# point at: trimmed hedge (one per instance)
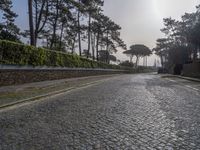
(20, 54)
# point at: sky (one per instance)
(141, 20)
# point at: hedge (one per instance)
(20, 54)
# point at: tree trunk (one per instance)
(97, 46)
(79, 33)
(38, 18)
(136, 63)
(93, 45)
(162, 61)
(89, 35)
(73, 45)
(195, 53)
(61, 36)
(107, 45)
(55, 25)
(31, 26)
(131, 58)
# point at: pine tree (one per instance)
(8, 29)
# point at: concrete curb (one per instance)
(48, 95)
(189, 78)
(46, 68)
(183, 77)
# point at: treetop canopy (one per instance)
(138, 50)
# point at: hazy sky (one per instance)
(141, 20)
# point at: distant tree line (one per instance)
(181, 43)
(66, 25)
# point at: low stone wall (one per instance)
(191, 70)
(12, 76)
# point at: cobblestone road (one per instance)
(126, 112)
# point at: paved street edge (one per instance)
(55, 93)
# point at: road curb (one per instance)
(183, 77)
(191, 79)
(47, 95)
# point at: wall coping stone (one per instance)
(46, 68)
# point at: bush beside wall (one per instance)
(20, 54)
(191, 70)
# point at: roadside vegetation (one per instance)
(19, 54)
(73, 33)
(75, 26)
(181, 44)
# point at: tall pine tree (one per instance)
(8, 29)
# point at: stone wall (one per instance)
(191, 70)
(12, 76)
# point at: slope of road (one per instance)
(126, 112)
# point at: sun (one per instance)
(157, 7)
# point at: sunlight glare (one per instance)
(157, 8)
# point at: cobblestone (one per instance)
(141, 112)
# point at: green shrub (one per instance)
(20, 54)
